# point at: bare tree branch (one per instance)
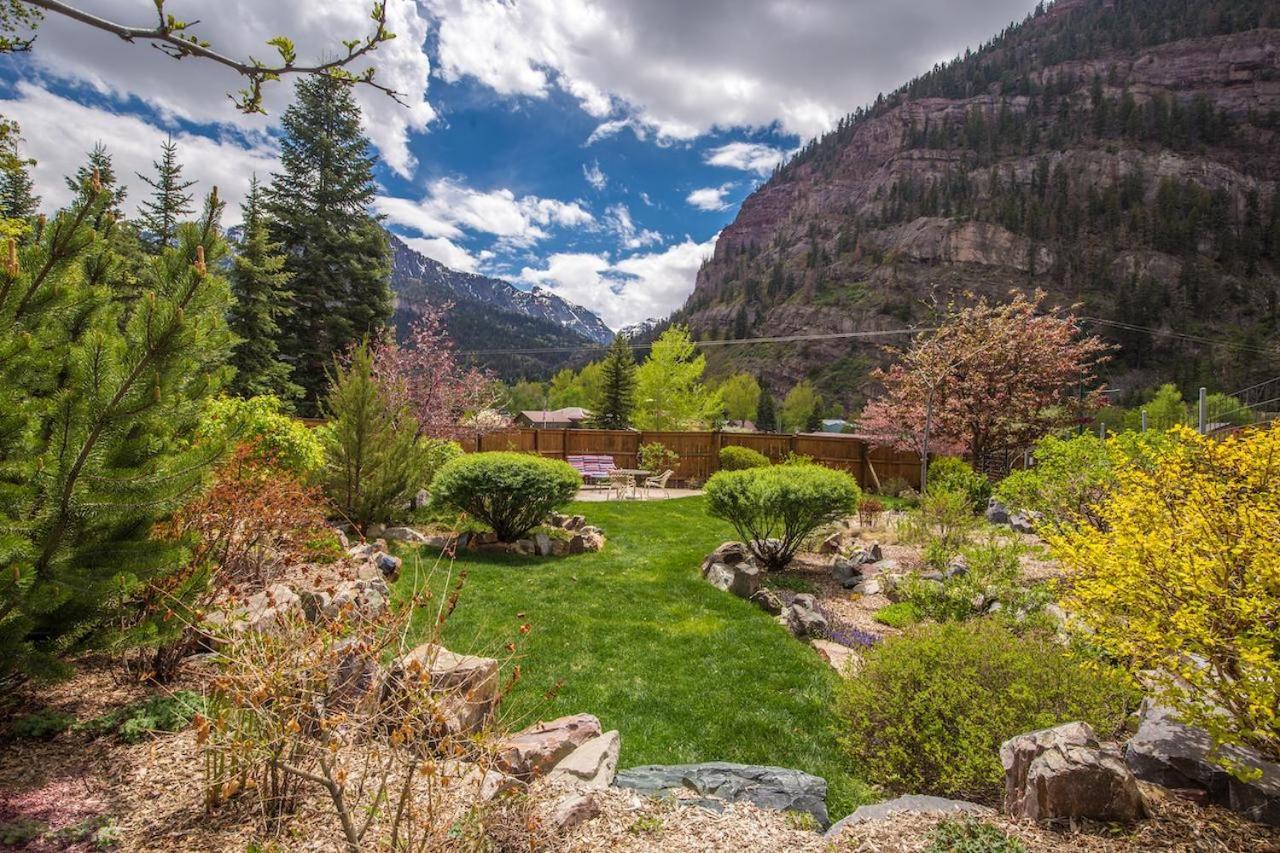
(173, 38)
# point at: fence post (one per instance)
(1204, 410)
(1144, 420)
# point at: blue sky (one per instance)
(594, 147)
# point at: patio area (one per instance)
(599, 494)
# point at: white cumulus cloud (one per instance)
(641, 285)
(710, 198)
(747, 156)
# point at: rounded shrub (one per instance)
(263, 423)
(949, 474)
(511, 492)
(774, 509)
(929, 709)
(735, 458)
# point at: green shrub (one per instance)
(929, 709)
(993, 573)
(892, 487)
(949, 474)
(970, 835)
(942, 524)
(900, 614)
(774, 509)
(263, 422)
(137, 722)
(657, 457)
(511, 492)
(735, 458)
(1071, 476)
(42, 725)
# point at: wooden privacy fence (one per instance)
(700, 451)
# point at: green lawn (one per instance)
(687, 673)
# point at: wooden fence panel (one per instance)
(700, 451)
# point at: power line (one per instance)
(776, 339)
(1168, 333)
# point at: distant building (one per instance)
(570, 417)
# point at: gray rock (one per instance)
(846, 572)
(420, 500)
(571, 810)
(525, 547)
(957, 568)
(533, 751)
(932, 577)
(1021, 523)
(362, 551)
(997, 513)
(741, 579)
(918, 803)
(870, 586)
(354, 674)
(387, 564)
(592, 765)
(1175, 755)
(874, 553)
(268, 610)
(803, 619)
(729, 553)
(768, 601)
(404, 534)
(542, 542)
(830, 545)
(464, 686)
(342, 538)
(1064, 773)
(776, 788)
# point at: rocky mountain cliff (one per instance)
(491, 314)
(1117, 153)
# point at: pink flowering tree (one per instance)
(425, 371)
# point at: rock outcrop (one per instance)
(1064, 772)
(776, 788)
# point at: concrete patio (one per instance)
(600, 494)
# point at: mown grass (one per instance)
(632, 634)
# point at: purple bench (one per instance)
(594, 469)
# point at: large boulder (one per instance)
(843, 659)
(1064, 772)
(729, 553)
(741, 579)
(404, 534)
(464, 686)
(592, 765)
(1169, 753)
(776, 788)
(365, 598)
(354, 674)
(264, 612)
(533, 751)
(847, 572)
(768, 601)
(915, 803)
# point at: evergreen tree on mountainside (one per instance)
(169, 201)
(259, 283)
(617, 386)
(336, 253)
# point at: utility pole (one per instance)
(1144, 420)
(1204, 410)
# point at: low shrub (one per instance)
(869, 511)
(970, 835)
(657, 457)
(158, 714)
(511, 492)
(1179, 580)
(942, 524)
(929, 709)
(900, 614)
(735, 458)
(950, 474)
(893, 487)
(992, 575)
(263, 423)
(41, 725)
(774, 509)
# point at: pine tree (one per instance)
(617, 386)
(169, 201)
(259, 284)
(766, 414)
(337, 254)
(99, 400)
(99, 163)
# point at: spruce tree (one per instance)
(169, 202)
(766, 414)
(99, 400)
(337, 254)
(259, 284)
(617, 386)
(99, 164)
(17, 200)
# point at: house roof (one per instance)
(568, 413)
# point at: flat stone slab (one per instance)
(775, 788)
(918, 803)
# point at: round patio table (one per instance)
(635, 474)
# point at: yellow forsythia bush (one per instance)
(1182, 579)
